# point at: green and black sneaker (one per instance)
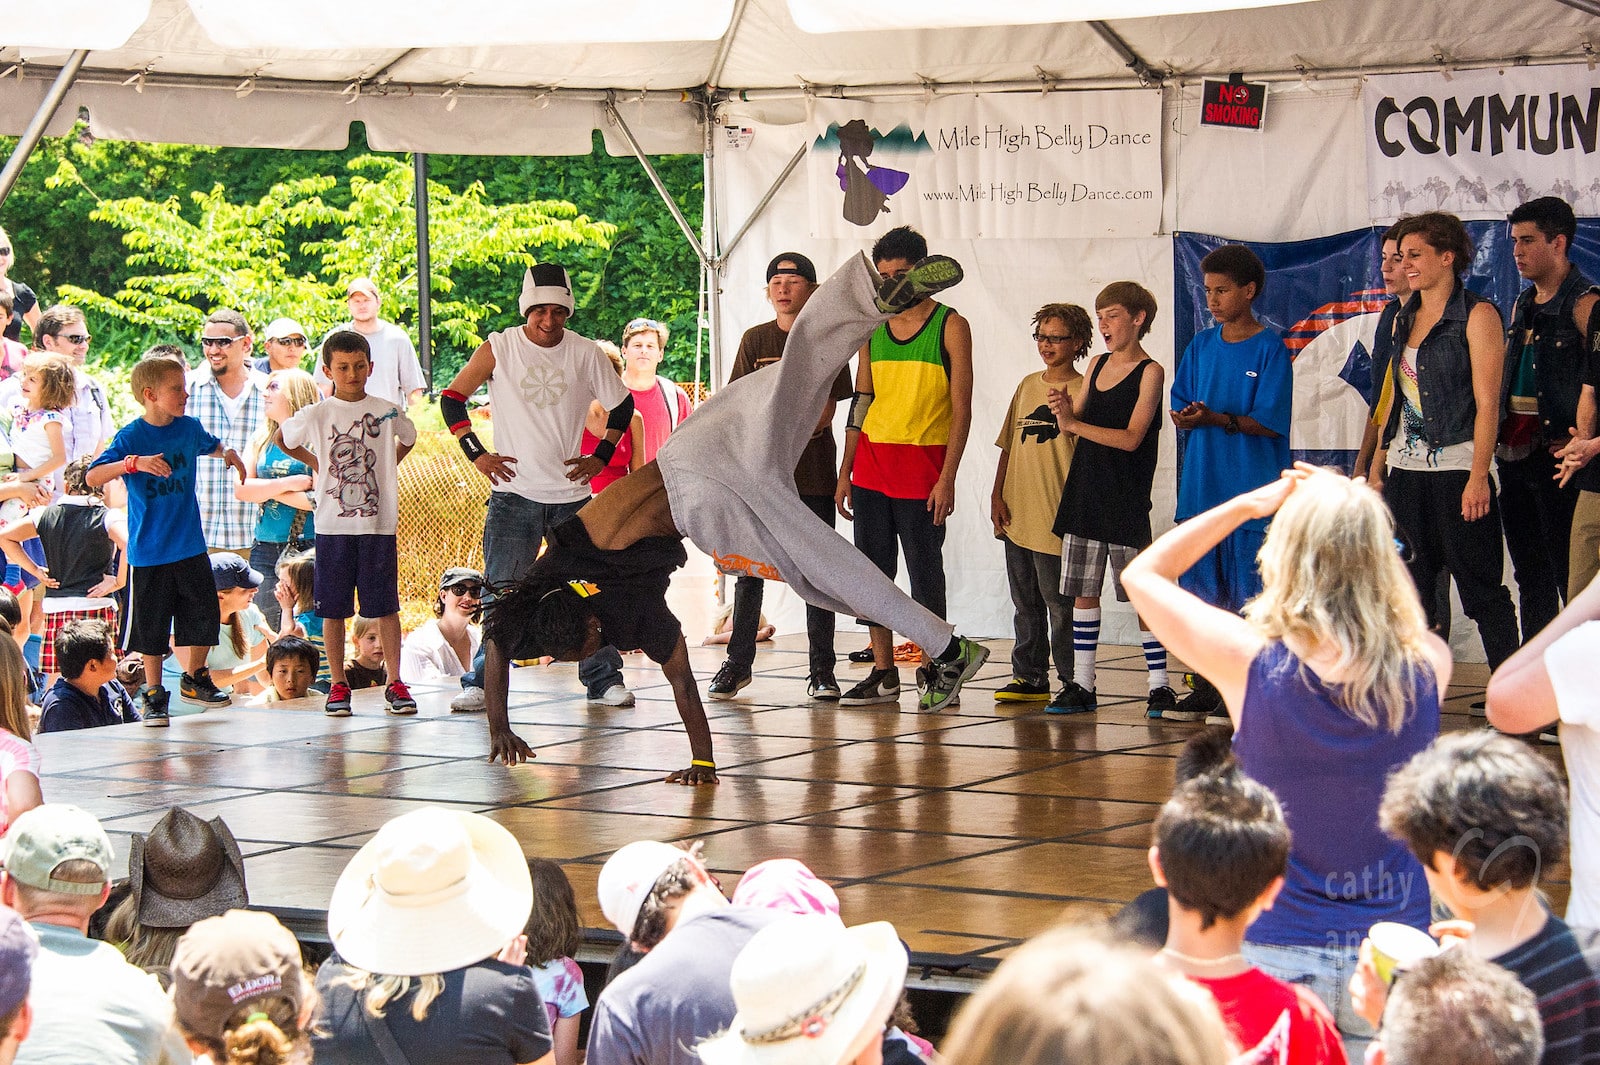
(934, 273)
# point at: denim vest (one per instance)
(1559, 354)
(1444, 370)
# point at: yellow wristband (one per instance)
(702, 762)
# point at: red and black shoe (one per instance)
(398, 696)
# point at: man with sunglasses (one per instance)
(63, 331)
(228, 395)
(285, 341)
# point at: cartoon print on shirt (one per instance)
(353, 466)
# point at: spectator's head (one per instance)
(1482, 812)
(644, 341)
(546, 302)
(19, 946)
(7, 302)
(1542, 232)
(435, 890)
(899, 250)
(63, 330)
(158, 384)
(167, 351)
(14, 689)
(363, 299)
(85, 646)
(49, 382)
(1239, 266)
(1206, 752)
(1332, 576)
(553, 928)
(1434, 245)
(8, 254)
(644, 886)
(347, 360)
(791, 279)
(292, 664)
(286, 393)
(1395, 281)
(1221, 847)
(10, 609)
(76, 478)
(788, 886)
(1063, 333)
(57, 865)
(613, 353)
(225, 341)
(240, 991)
(1459, 1009)
(1551, 215)
(811, 992)
(368, 639)
(1124, 311)
(285, 341)
(298, 571)
(460, 592)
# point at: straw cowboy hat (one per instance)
(185, 870)
(434, 890)
(810, 992)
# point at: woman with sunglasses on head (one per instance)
(442, 649)
(662, 404)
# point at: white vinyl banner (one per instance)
(1065, 164)
(1480, 142)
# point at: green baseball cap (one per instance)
(45, 836)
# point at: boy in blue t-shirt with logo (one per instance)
(169, 585)
(1233, 392)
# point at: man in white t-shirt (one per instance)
(396, 373)
(541, 379)
(1553, 679)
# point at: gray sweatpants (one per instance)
(729, 469)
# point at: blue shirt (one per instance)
(1253, 378)
(66, 709)
(277, 519)
(163, 512)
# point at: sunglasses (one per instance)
(74, 338)
(219, 342)
(471, 590)
(293, 342)
(5, 250)
(1045, 338)
(643, 323)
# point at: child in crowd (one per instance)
(1034, 458)
(553, 938)
(296, 594)
(170, 590)
(1104, 514)
(239, 658)
(1232, 395)
(87, 694)
(19, 760)
(292, 662)
(355, 443)
(1484, 814)
(41, 428)
(365, 670)
(1221, 850)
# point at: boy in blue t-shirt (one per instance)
(1232, 393)
(169, 585)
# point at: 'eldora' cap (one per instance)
(223, 965)
(800, 266)
(44, 837)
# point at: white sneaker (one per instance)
(616, 695)
(470, 701)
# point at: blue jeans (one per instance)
(513, 531)
(1326, 971)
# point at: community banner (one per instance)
(1480, 142)
(1058, 165)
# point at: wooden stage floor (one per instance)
(970, 830)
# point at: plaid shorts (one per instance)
(56, 620)
(1083, 566)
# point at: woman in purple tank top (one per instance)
(1332, 680)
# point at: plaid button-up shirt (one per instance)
(228, 523)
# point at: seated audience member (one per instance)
(365, 669)
(89, 1005)
(426, 923)
(1484, 813)
(1551, 681)
(239, 657)
(1458, 1009)
(1069, 995)
(240, 992)
(809, 989)
(296, 594)
(18, 949)
(1221, 850)
(442, 649)
(185, 870)
(19, 759)
(554, 932)
(87, 694)
(291, 667)
(664, 901)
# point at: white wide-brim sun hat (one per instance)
(810, 992)
(434, 890)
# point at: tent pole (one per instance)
(713, 263)
(419, 165)
(655, 179)
(41, 119)
(761, 207)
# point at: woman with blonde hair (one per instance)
(1331, 679)
(281, 485)
(1070, 995)
(19, 760)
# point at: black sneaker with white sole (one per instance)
(197, 687)
(153, 702)
(880, 686)
(822, 686)
(730, 679)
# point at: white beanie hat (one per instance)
(545, 283)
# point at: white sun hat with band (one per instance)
(434, 890)
(810, 992)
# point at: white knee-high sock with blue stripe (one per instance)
(1085, 639)
(1155, 659)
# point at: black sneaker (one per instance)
(1198, 705)
(1162, 699)
(729, 680)
(863, 656)
(822, 686)
(934, 273)
(881, 686)
(1022, 691)
(197, 688)
(1074, 698)
(153, 706)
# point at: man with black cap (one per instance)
(791, 278)
(541, 378)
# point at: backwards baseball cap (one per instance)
(545, 283)
(241, 961)
(800, 266)
(19, 945)
(362, 284)
(629, 875)
(284, 328)
(46, 836)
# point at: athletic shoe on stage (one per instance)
(1022, 691)
(729, 680)
(1073, 698)
(616, 695)
(470, 701)
(398, 696)
(1198, 705)
(881, 686)
(153, 706)
(338, 704)
(946, 678)
(932, 274)
(1161, 700)
(822, 686)
(197, 688)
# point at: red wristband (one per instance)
(130, 464)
